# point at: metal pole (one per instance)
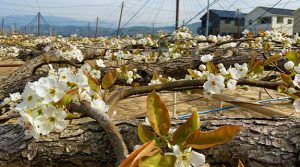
(88, 33)
(177, 15)
(2, 25)
(238, 23)
(120, 19)
(39, 24)
(207, 18)
(15, 28)
(174, 105)
(97, 22)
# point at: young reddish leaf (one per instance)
(144, 134)
(186, 129)
(94, 84)
(108, 80)
(258, 67)
(286, 79)
(148, 149)
(240, 164)
(272, 59)
(158, 114)
(192, 73)
(201, 140)
(211, 67)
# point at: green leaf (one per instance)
(202, 140)
(93, 83)
(192, 73)
(157, 160)
(167, 161)
(211, 67)
(155, 76)
(286, 79)
(282, 88)
(152, 161)
(66, 99)
(158, 114)
(186, 129)
(144, 134)
(108, 80)
(272, 59)
(292, 56)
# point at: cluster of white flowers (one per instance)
(71, 53)
(9, 52)
(40, 105)
(217, 82)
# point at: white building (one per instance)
(297, 22)
(264, 18)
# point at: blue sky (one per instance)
(136, 12)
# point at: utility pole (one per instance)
(177, 15)
(2, 26)
(97, 22)
(39, 24)
(238, 23)
(120, 19)
(50, 30)
(15, 28)
(207, 19)
(88, 33)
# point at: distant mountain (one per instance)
(66, 26)
(52, 20)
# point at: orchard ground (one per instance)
(186, 102)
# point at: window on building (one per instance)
(279, 20)
(227, 21)
(264, 20)
(250, 22)
(290, 21)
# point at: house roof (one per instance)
(227, 14)
(279, 11)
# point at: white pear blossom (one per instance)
(100, 105)
(215, 84)
(296, 81)
(289, 65)
(202, 67)
(207, 58)
(231, 84)
(297, 105)
(297, 68)
(52, 119)
(291, 90)
(51, 90)
(14, 97)
(100, 63)
(240, 71)
(188, 158)
(30, 98)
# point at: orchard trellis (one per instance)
(92, 85)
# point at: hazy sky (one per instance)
(135, 11)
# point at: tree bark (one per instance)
(263, 142)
